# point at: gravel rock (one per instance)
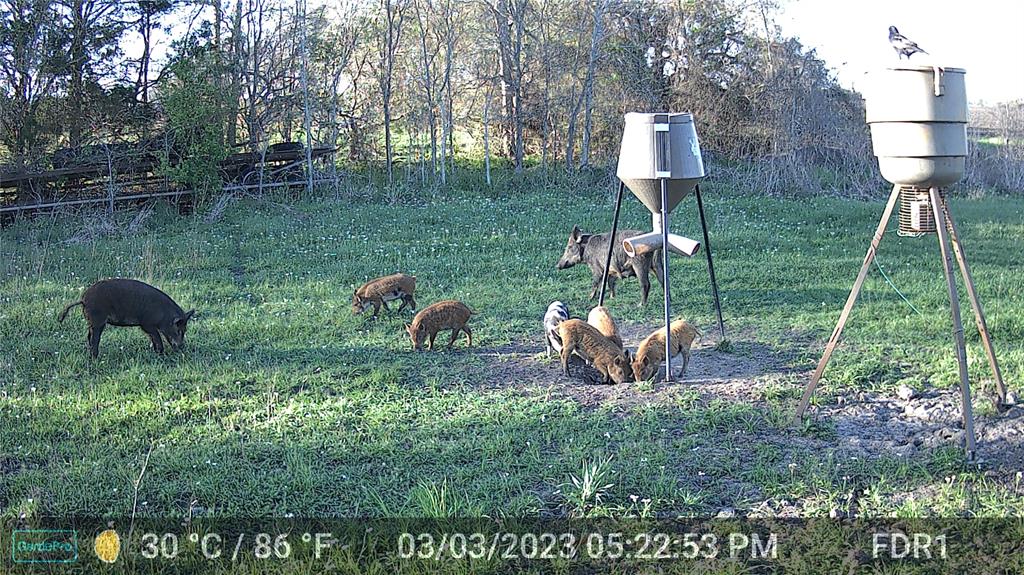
(905, 392)
(917, 412)
(726, 513)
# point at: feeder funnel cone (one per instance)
(656, 146)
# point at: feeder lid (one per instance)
(659, 118)
(906, 93)
(910, 68)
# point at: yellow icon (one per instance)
(108, 546)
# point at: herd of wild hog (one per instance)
(598, 342)
(131, 303)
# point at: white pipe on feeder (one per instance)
(644, 243)
(651, 241)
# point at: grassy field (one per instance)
(284, 403)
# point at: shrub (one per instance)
(194, 106)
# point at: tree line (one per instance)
(427, 86)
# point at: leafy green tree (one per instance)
(194, 105)
(31, 61)
(94, 29)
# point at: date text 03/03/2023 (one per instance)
(654, 546)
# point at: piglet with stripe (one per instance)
(557, 313)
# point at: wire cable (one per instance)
(896, 289)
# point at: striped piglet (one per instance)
(557, 313)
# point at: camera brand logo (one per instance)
(44, 546)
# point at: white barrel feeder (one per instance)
(918, 120)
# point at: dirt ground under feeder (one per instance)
(862, 424)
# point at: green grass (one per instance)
(285, 403)
(995, 141)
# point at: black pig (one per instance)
(127, 303)
(592, 249)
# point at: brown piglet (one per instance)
(448, 314)
(377, 293)
(593, 346)
(128, 303)
(600, 318)
(651, 352)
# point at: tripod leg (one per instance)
(972, 294)
(711, 266)
(852, 299)
(664, 263)
(611, 243)
(938, 209)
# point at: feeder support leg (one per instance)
(664, 265)
(938, 210)
(852, 299)
(711, 266)
(972, 294)
(611, 242)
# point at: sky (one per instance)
(985, 37)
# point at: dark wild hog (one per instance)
(557, 313)
(592, 249)
(601, 318)
(583, 338)
(128, 303)
(651, 352)
(448, 314)
(378, 292)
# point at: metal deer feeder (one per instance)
(918, 120)
(660, 162)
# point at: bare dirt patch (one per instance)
(862, 424)
(871, 423)
(712, 373)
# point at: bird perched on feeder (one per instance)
(904, 46)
